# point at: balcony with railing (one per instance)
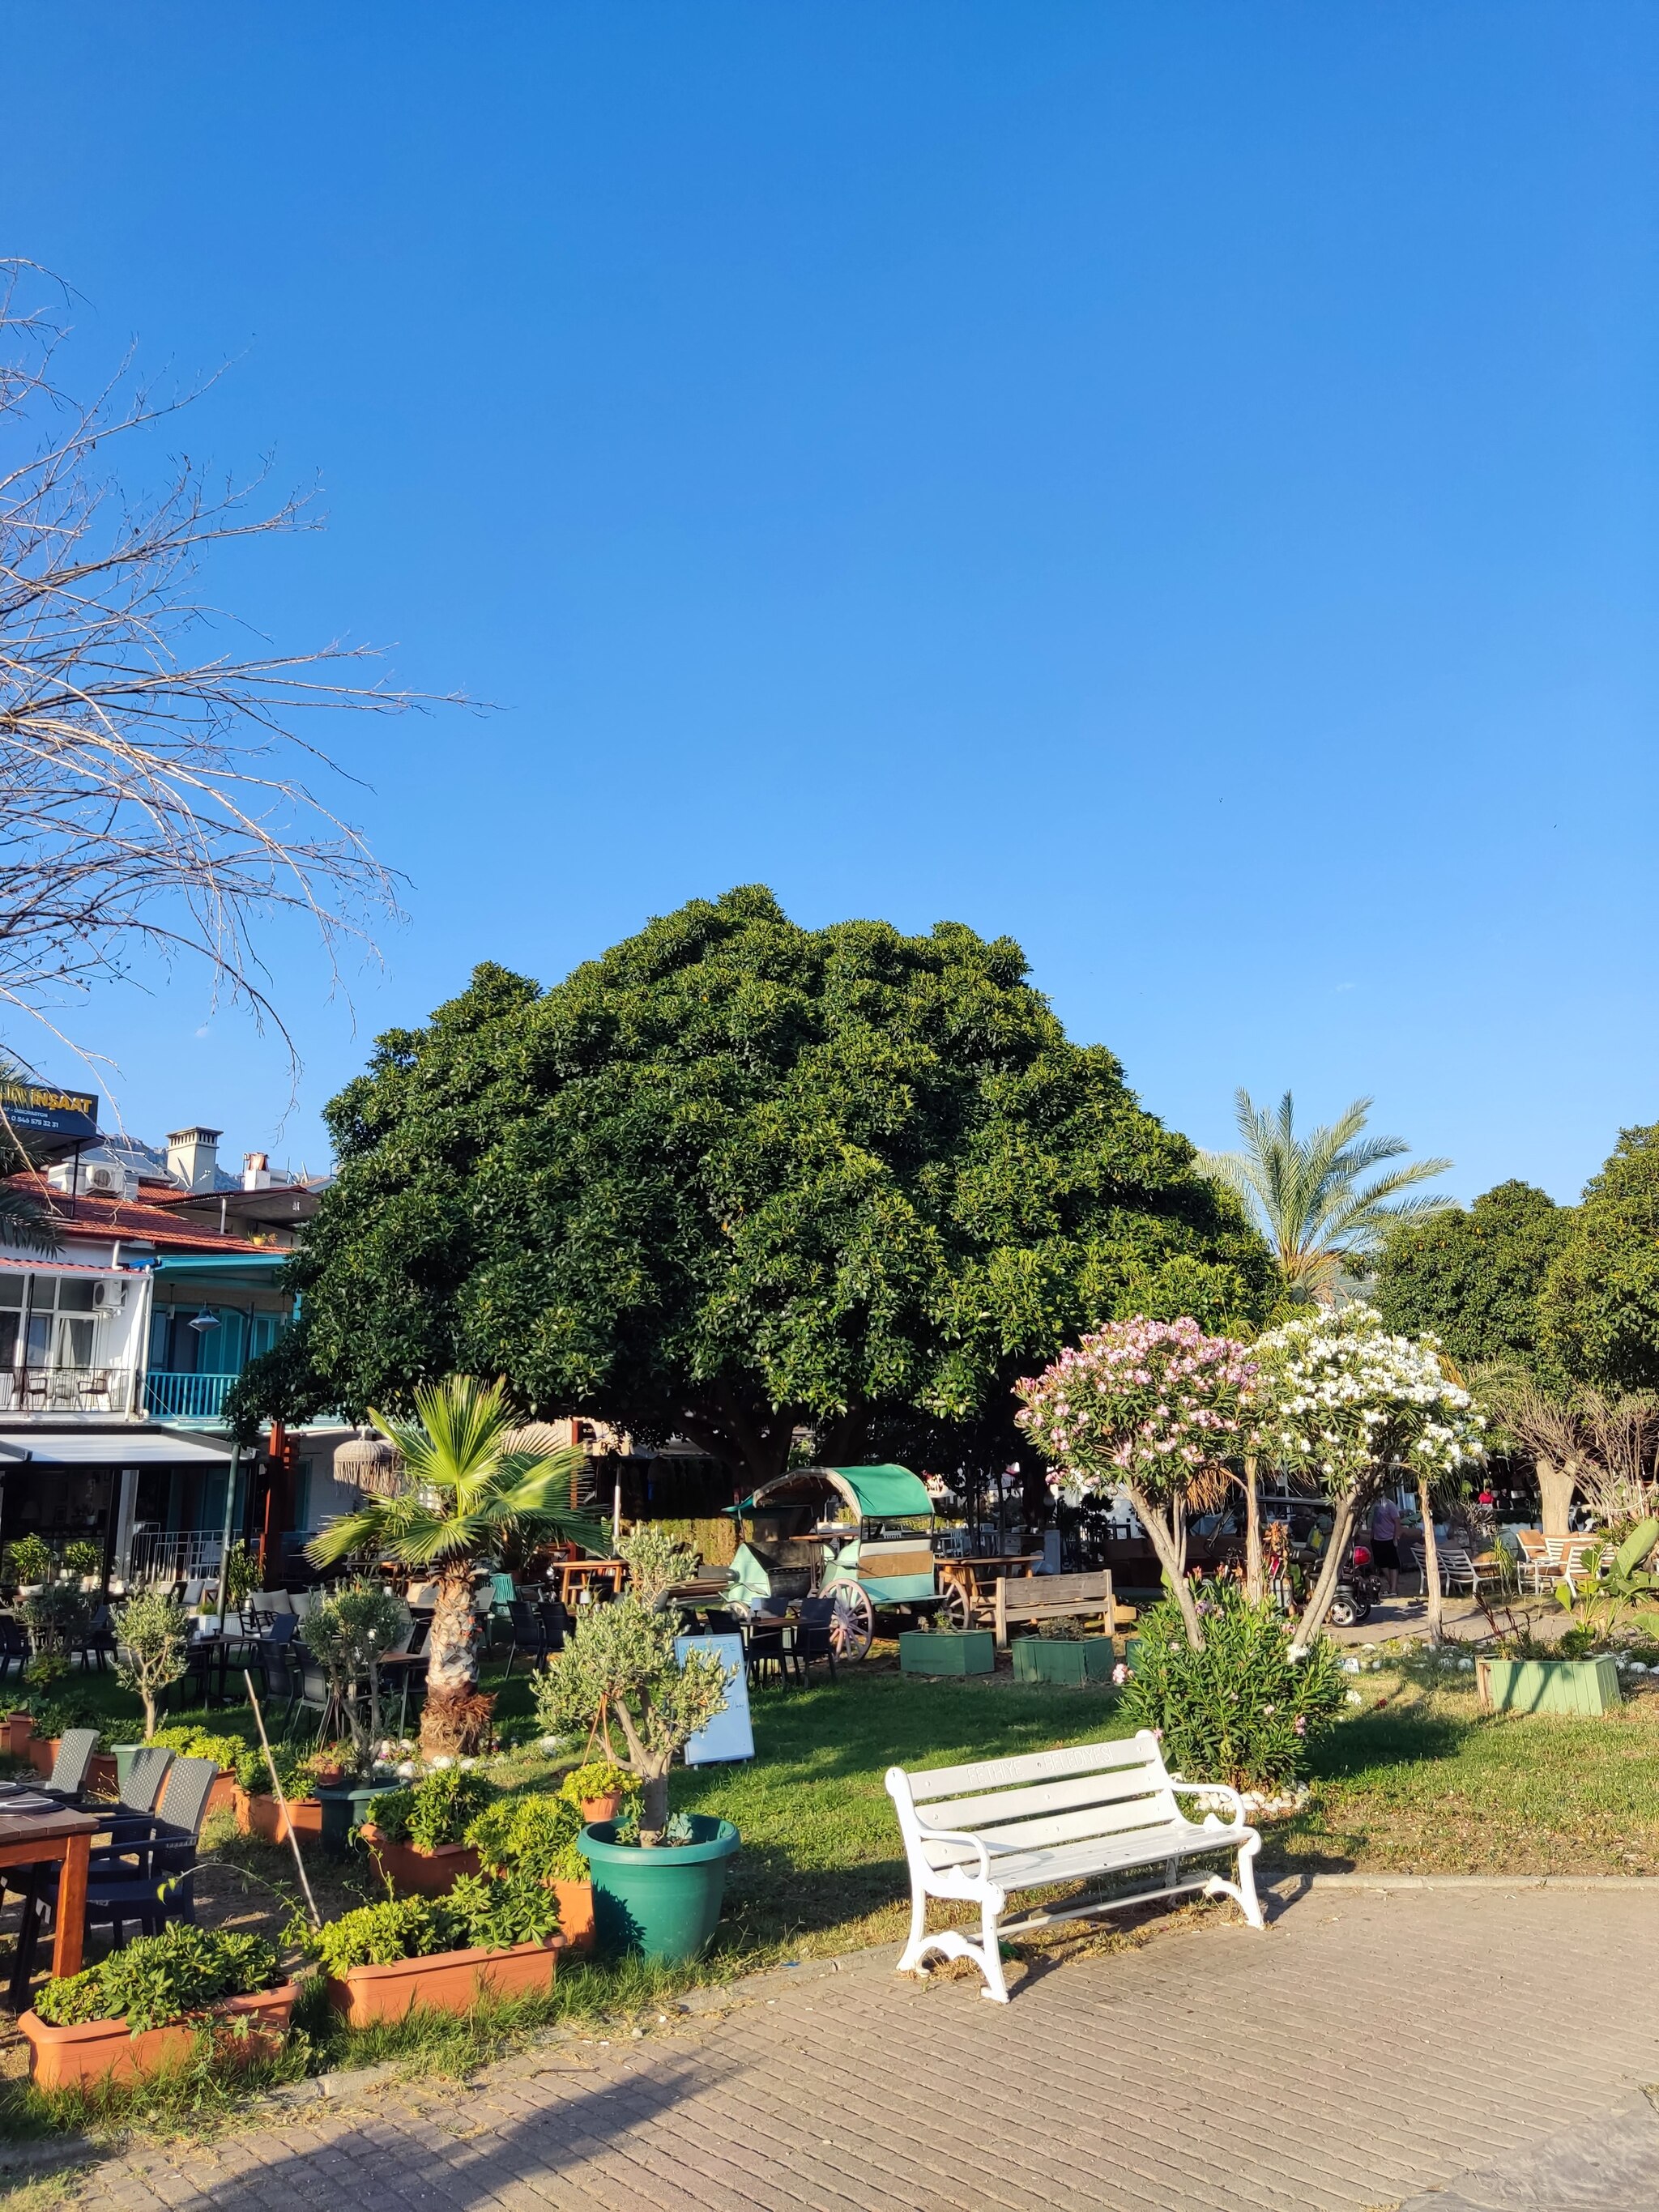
(175, 1397)
(58, 1390)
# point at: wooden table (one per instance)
(32, 1838)
(575, 1575)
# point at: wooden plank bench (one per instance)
(1004, 1825)
(1025, 1599)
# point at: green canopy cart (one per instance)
(863, 1535)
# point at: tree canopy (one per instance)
(1599, 1310)
(736, 1177)
(1473, 1278)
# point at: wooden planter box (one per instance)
(1044, 1659)
(1548, 1686)
(448, 1981)
(102, 2050)
(943, 1651)
(262, 1816)
(424, 1874)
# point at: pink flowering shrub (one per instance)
(1146, 1406)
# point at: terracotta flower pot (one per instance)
(576, 1900)
(41, 1752)
(412, 1872)
(222, 1795)
(102, 2050)
(262, 1816)
(102, 1775)
(448, 1981)
(602, 1808)
(20, 1727)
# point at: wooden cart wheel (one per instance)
(852, 1628)
(955, 1608)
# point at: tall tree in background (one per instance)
(1473, 1278)
(738, 1178)
(1307, 1196)
(153, 792)
(1599, 1308)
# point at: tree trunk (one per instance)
(1430, 1566)
(1324, 1588)
(1555, 1496)
(1167, 1537)
(453, 1641)
(653, 1804)
(1255, 1587)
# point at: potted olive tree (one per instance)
(152, 1636)
(349, 1633)
(657, 1882)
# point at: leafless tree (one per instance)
(154, 755)
(1606, 1449)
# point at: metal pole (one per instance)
(281, 1802)
(224, 1542)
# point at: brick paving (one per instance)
(1372, 2049)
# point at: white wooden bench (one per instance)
(977, 1833)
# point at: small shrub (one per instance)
(152, 1635)
(28, 1560)
(156, 1979)
(254, 1774)
(1060, 1632)
(500, 1909)
(83, 1557)
(435, 1812)
(198, 1743)
(44, 1671)
(599, 1778)
(380, 1934)
(1242, 1711)
(55, 1616)
(536, 1833)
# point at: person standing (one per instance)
(1385, 1541)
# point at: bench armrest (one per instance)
(926, 1835)
(1228, 1796)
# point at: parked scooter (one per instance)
(1358, 1591)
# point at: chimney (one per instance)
(193, 1157)
(256, 1171)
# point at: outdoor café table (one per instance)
(36, 1831)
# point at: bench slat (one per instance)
(934, 1782)
(1000, 1806)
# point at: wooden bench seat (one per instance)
(1023, 1599)
(1056, 1817)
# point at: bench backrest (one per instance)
(1047, 1797)
(1050, 1597)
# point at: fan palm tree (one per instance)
(1306, 1193)
(468, 1484)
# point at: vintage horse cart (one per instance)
(861, 1535)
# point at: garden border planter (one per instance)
(947, 1651)
(1048, 1659)
(102, 2050)
(412, 1872)
(665, 1902)
(445, 1981)
(1581, 1686)
(20, 1727)
(259, 1814)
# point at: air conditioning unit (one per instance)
(93, 1179)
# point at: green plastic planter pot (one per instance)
(1046, 1659)
(665, 1902)
(124, 1755)
(345, 1807)
(1548, 1685)
(947, 1651)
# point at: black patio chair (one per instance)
(96, 1641)
(769, 1650)
(14, 1645)
(556, 1619)
(312, 1694)
(529, 1633)
(815, 1639)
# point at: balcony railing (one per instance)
(64, 1390)
(166, 1555)
(186, 1397)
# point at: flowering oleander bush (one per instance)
(1243, 1710)
(1146, 1406)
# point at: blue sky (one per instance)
(1171, 482)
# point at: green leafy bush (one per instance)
(500, 1909)
(535, 1833)
(198, 1743)
(44, 1671)
(380, 1934)
(158, 1978)
(83, 1557)
(599, 1777)
(55, 1616)
(434, 1811)
(1243, 1710)
(152, 1634)
(28, 1560)
(254, 1775)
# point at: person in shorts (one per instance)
(1385, 1541)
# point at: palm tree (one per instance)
(468, 1484)
(1306, 1194)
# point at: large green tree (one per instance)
(1599, 1310)
(738, 1178)
(1473, 1278)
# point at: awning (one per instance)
(875, 1493)
(111, 1448)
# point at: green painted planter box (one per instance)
(1548, 1686)
(945, 1651)
(1042, 1659)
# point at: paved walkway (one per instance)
(1370, 2048)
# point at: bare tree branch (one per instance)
(152, 791)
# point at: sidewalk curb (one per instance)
(1617, 1881)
